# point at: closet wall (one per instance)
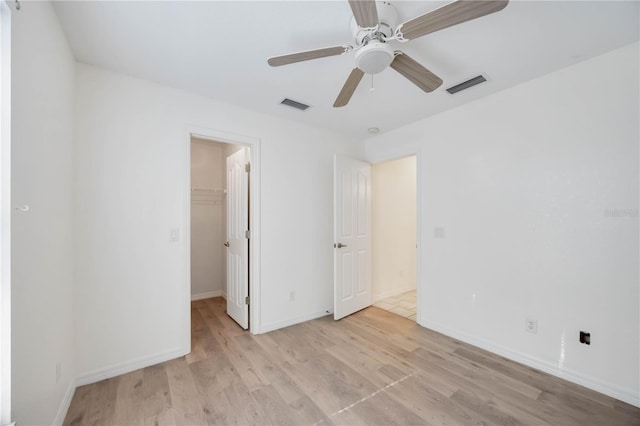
(207, 218)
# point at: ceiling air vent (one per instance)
(466, 84)
(294, 104)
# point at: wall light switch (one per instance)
(174, 235)
(438, 232)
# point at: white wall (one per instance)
(393, 186)
(132, 171)
(537, 190)
(43, 73)
(207, 219)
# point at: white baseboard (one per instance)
(286, 323)
(129, 366)
(64, 405)
(391, 293)
(206, 295)
(614, 391)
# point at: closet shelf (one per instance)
(207, 195)
(209, 190)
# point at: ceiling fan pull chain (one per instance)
(372, 88)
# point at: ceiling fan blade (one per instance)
(291, 58)
(416, 73)
(449, 15)
(349, 87)
(365, 12)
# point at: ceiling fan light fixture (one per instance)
(375, 57)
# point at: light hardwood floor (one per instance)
(373, 367)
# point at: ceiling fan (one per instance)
(374, 26)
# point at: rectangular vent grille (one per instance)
(466, 84)
(294, 104)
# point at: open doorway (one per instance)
(394, 232)
(220, 226)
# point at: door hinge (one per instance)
(247, 234)
(247, 167)
(246, 300)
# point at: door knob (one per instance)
(227, 244)
(340, 245)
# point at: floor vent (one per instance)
(466, 84)
(294, 104)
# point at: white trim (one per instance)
(390, 293)
(64, 406)
(206, 295)
(5, 214)
(286, 323)
(614, 391)
(254, 217)
(128, 366)
(419, 228)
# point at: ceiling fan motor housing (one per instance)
(387, 18)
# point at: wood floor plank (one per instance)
(308, 412)
(262, 363)
(434, 407)
(475, 373)
(185, 400)
(307, 336)
(246, 411)
(199, 330)
(129, 400)
(157, 393)
(488, 412)
(383, 410)
(372, 367)
(102, 405)
(80, 403)
(358, 343)
(164, 417)
(276, 410)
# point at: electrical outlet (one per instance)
(531, 325)
(585, 337)
(292, 296)
(438, 232)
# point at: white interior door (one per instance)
(352, 236)
(237, 237)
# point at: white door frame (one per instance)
(404, 152)
(5, 214)
(253, 144)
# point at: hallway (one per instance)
(403, 304)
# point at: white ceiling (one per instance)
(220, 48)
